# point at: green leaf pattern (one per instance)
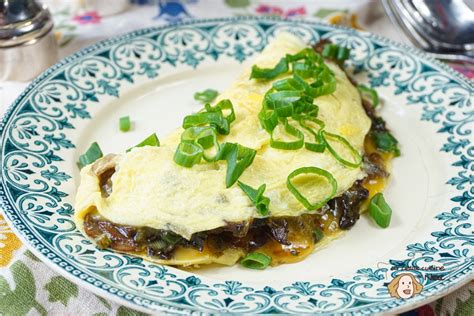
(23, 292)
(61, 289)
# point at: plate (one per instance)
(151, 75)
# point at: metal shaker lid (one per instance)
(23, 22)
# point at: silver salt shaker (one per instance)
(27, 42)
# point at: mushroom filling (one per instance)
(285, 233)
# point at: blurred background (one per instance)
(66, 26)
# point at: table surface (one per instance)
(34, 288)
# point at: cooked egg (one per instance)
(150, 189)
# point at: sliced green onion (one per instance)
(206, 96)
(199, 135)
(326, 83)
(356, 157)
(285, 103)
(343, 53)
(269, 73)
(203, 136)
(91, 155)
(207, 139)
(215, 119)
(288, 145)
(380, 211)
(303, 69)
(238, 158)
(369, 94)
(151, 140)
(256, 260)
(300, 197)
(225, 105)
(306, 107)
(318, 235)
(288, 84)
(318, 145)
(188, 154)
(384, 141)
(336, 52)
(304, 85)
(256, 196)
(268, 119)
(306, 53)
(330, 51)
(125, 124)
(283, 97)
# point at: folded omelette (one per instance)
(144, 203)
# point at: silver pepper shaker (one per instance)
(27, 42)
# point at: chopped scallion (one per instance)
(343, 53)
(384, 141)
(256, 196)
(91, 155)
(380, 211)
(304, 200)
(188, 154)
(288, 145)
(331, 139)
(318, 145)
(369, 94)
(125, 124)
(214, 119)
(151, 140)
(238, 158)
(206, 96)
(330, 51)
(269, 73)
(336, 52)
(268, 119)
(256, 260)
(213, 116)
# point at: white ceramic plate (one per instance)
(152, 75)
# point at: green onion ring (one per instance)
(91, 155)
(238, 158)
(319, 145)
(125, 124)
(303, 200)
(256, 260)
(256, 196)
(188, 154)
(206, 96)
(207, 138)
(354, 152)
(368, 93)
(291, 145)
(380, 211)
(269, 73)
(151, 140)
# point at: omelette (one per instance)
(277, 165)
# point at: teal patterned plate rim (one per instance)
(38, 149)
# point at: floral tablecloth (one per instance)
(28, 286)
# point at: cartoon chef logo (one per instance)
(404, 285)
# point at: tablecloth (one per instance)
(28, 286)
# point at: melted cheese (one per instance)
(149, 189)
